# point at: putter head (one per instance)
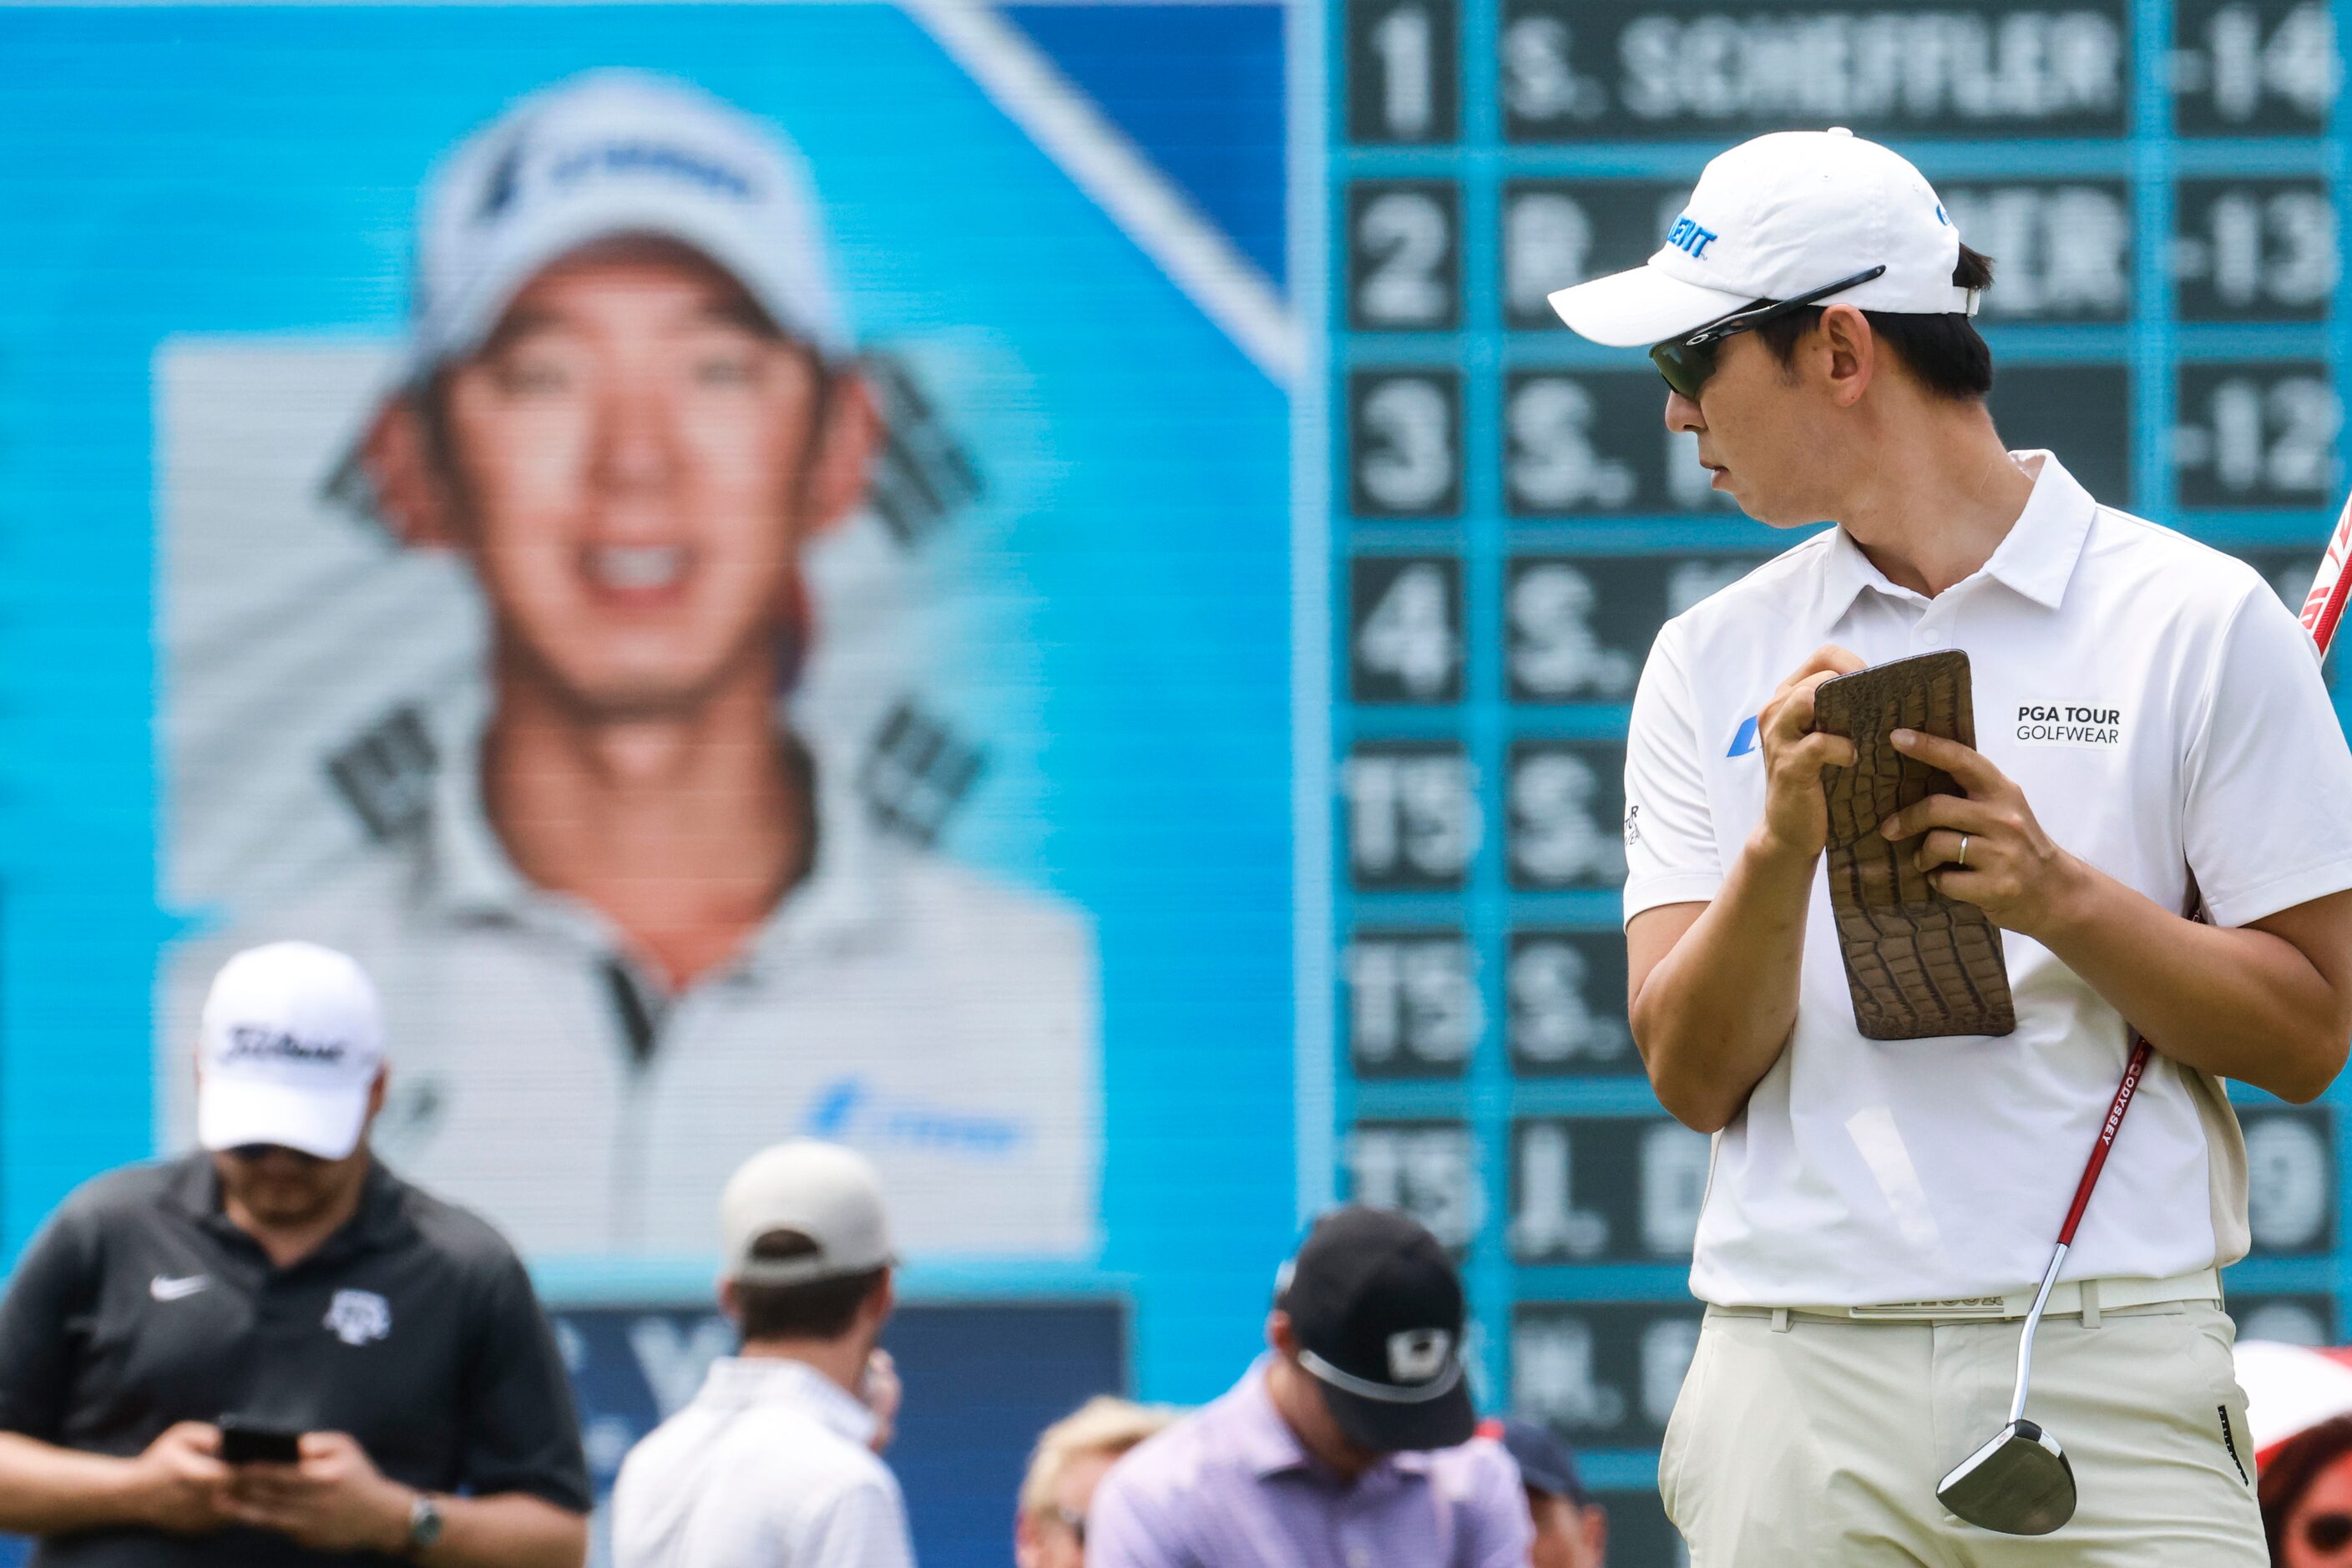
(2020, 1483)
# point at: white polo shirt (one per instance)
(942, 1024)
(2163, 713)
(766, 1468)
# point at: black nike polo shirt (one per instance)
(414, 1328)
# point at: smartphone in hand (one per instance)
(245, 1442)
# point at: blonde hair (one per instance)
(1103, 1424)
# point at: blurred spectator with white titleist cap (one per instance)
(274, 1352)
(773, 1464)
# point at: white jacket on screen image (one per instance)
(941, 1022)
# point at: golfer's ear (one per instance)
(845, 448)
(1852, 353)
(412, 496)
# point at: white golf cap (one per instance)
(607, 154)
(1776, 217)
(291, 1041)
(824, 1192)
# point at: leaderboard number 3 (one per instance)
(1402, 72)
(1405, 432)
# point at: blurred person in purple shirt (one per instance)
(1345, 1447)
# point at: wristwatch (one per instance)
(423, 1524)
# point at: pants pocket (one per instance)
(1672, 1450)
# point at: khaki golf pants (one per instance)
(1819, 1443)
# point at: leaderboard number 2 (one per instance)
(1403, 71)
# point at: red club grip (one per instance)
(2124, 1092)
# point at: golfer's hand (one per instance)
(332, 1500)
(1796, 813)
(2012, 871)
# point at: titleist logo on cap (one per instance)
(253, 1042)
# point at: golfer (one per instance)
(646, 909)
(2149, 721)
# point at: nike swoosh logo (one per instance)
(164, 1288)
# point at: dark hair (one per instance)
(1943, 353)
(816, 1310)
(2291, 1470)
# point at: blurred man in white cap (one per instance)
(1880, 1210)
(774, 1465)
(644, 908)
(274, 1353)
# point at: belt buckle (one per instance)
(1929, 1311)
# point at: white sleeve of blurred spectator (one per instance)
(2267, 814)
(1671, 851)
(861, 1526)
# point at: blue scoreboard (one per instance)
(1507, 521)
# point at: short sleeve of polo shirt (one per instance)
(524, 1435)
(48, 1297)
(1124, 1531)
(1671, 855)
(2267, 817)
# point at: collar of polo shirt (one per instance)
(2036, 559)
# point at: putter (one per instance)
(2021, 1481)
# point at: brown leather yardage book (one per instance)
(1918, 964)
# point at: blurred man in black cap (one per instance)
(1345, 1447)
(1571, 1530)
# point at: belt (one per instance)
(2075, 1298)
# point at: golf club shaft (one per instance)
(2133, 1069)
(2323, 611)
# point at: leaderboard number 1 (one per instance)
(1401, 70)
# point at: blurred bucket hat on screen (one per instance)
(289, 1046)
(1377, 1308)
(610, 154)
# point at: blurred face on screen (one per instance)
(633, 461)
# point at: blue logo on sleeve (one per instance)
(1690, 238)
(1745, 741)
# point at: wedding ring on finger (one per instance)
(1960, 861)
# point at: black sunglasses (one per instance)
(1687, 361)
(2328, 1532)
